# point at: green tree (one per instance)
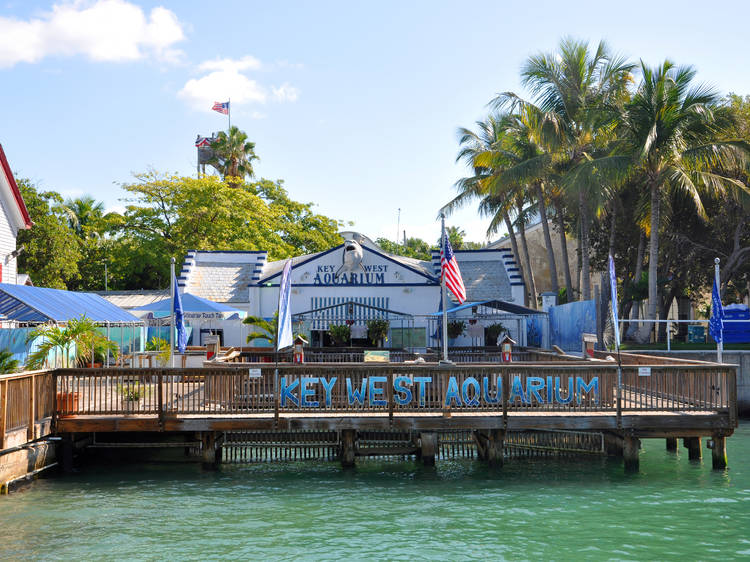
(414, 248)
(233, 156)
(268, 328)
(670, 133)
(78, 337)
(574, 93)
(51, 250)
(84, 215)
(7, 363)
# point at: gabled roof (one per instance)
(39, 304)
(10, 192)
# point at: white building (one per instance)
(13, 217)
(379, 285)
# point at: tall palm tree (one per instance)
(671, 131)
(477, 151)
(233, 155)
(574, 90)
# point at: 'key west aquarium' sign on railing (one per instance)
(428, 391)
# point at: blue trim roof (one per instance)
(496, 304)
(40, 304)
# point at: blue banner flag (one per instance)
(179, 319)
(716, 323)
(284, 330)
(613, 286)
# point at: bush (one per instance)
(456, 328)
(377, 330)
(340, 333)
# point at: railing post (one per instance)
(444, 379)
(506, 397)
(32, 398)
(276, 396)
(390, 394)
(160, 398)
(3, 411)
(619, 396)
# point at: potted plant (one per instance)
(493, 332)
(455, 329)
(162, 346)
(340, 333)
(377, 331)
(131, 394)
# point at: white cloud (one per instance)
(228, 79)
(285, 92)
(104, 30)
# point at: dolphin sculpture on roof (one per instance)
(351, 259)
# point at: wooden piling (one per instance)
(428, 439)
(693, 445)
(495, 448)
(630, 452)
(671, 444)
(719, 452)
(348, 451)
(613, 444)
(208, 447)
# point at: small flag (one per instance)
(179, 319)
(201, 142)
(449, 270)
(613, 286)
(716, 323)
(221, 107)
(284, 329)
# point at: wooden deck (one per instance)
(649, 398)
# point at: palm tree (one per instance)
(477, 151)
(269, 327)
(574, 92)
(7, 363)
(671, 133)
(78, 338)
(233, 155)
(83, 213)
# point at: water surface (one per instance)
(530, 509)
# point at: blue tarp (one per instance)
(192, 305)
(38, 304)
(567, 323)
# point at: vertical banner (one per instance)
(179, 318)
(284, 329)
(613, 287)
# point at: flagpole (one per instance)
(229, 115)
(717, 280)
(442, 289)
(171, 308)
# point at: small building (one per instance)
(13, 217)
(353, 282)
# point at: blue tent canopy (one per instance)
(193, 307)
(39, 304)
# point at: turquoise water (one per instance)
(530, 509)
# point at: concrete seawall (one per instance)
(739, 358)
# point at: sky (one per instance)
(355, 105)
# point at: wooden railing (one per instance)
(391, 389)
(26, 399)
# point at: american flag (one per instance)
(449, 269)
(221, 107)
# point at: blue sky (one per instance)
(355, 105)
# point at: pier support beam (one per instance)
(495, 448)
(209, 449)
(672, 444)
(719, 452)
(348, 444)
(613, 444)
(428, 440)
(630, 452)
(693, 445)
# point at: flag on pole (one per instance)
(449, 270)
(716, 323)
(222, 107)
(284, 330)
(613, 287)
(179, 318)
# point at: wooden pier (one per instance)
(339, 407)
